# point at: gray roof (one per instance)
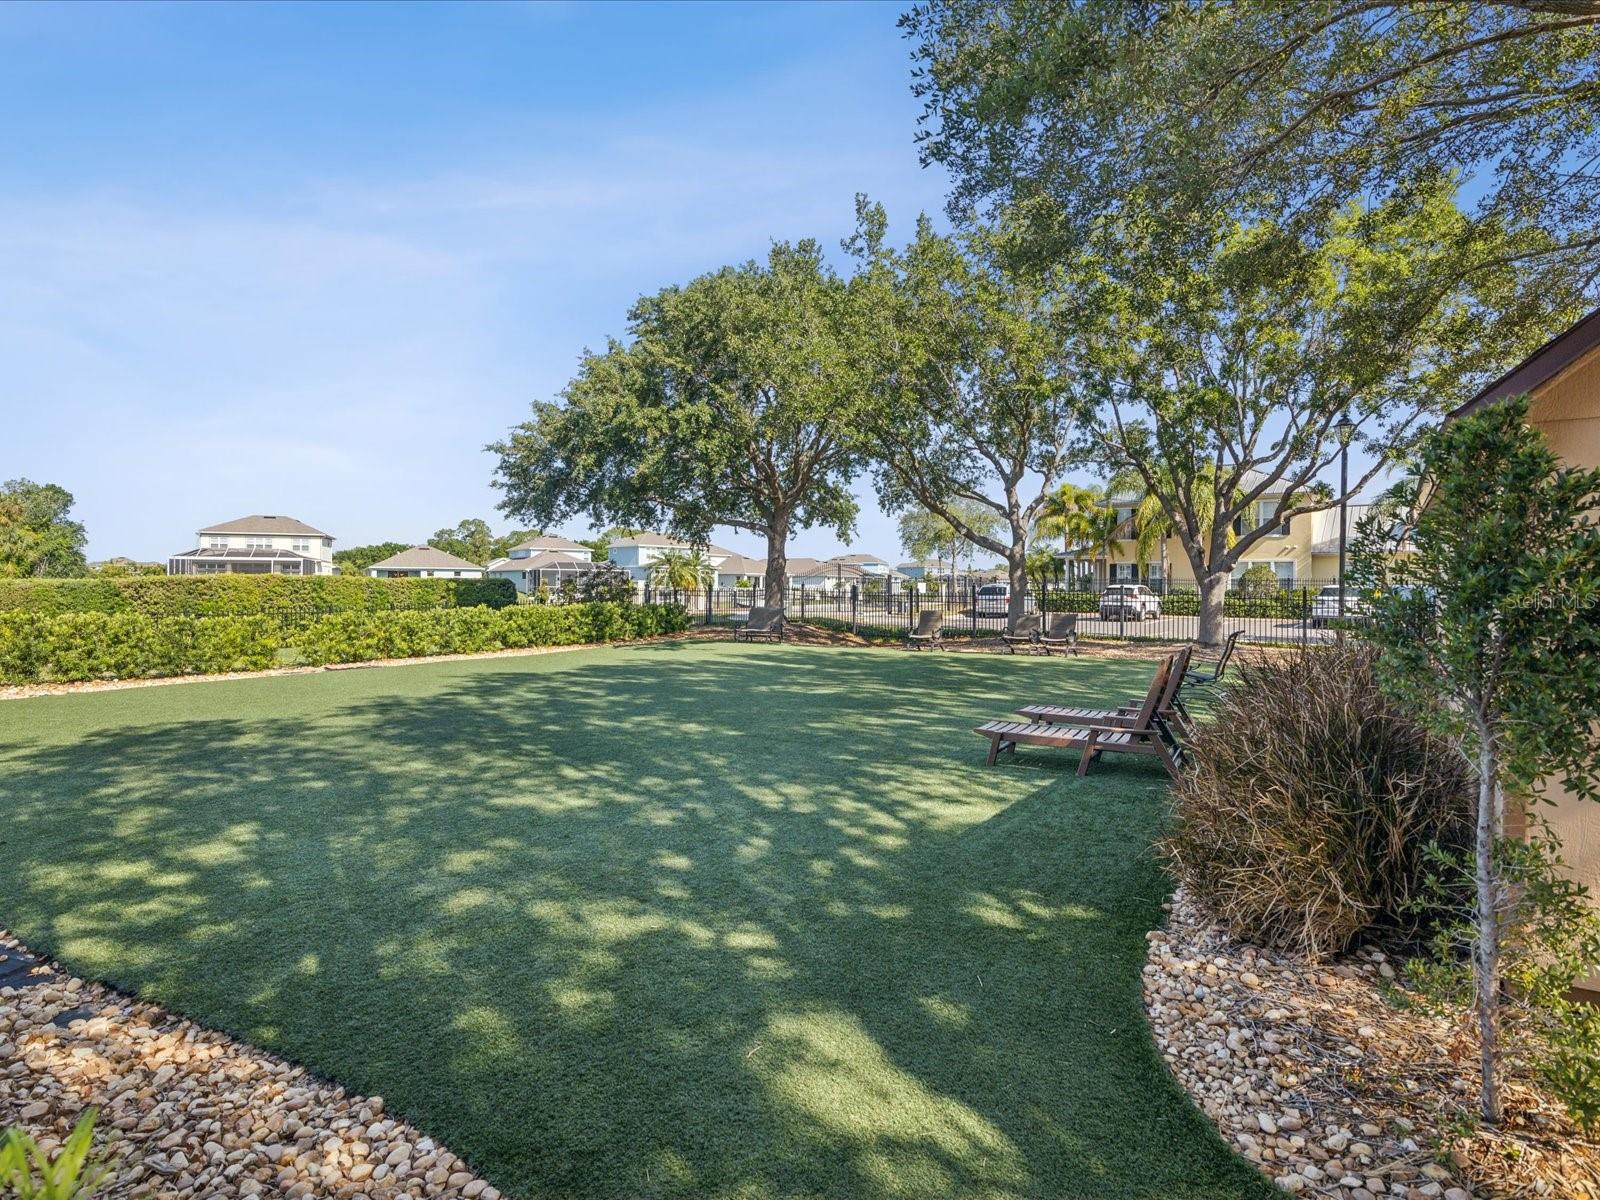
(550, 541)
(424, 558)
(265, 523)
(1325, 527)
(740, 564)
(859, 558)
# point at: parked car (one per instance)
(992, 600)
(1129, 601)
(1325, 607)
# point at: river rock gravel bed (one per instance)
(188, 1112)
(1314, 1074)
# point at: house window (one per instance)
(302, 545)
(1267, 514)
(258, 541)
(1124, 572)
(1284, 570)
(218, 543)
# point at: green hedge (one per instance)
(67, 647)
(245, 595)
(36, 647)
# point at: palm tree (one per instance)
(1103, 536)
(1066, 514)
(681, 570)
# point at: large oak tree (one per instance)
(734, 402)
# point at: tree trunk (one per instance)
(1213, 590)
(1017, 572)
(775, 587)
(1486, 953)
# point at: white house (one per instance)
(635, 554)
(263, 544)
(841, 571)
(543, 560)
(424, 562)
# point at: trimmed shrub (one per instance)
(362, 637)
(1306, 820)
(71, 647)
(245, 595)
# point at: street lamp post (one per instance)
(1346, 429)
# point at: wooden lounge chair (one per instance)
(928, 632)
(1144, 733)
(765, 624)
(1024, 633)
(1061, 635)
(1208, 680)
(1163, 688)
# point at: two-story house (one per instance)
(424, 562)
(263, 544)
(1302, 550)
(635, 554)
(543, 560)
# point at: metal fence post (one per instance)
(708, 606)
(855, 595)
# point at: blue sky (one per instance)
(310, 259)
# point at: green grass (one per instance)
(682, 920)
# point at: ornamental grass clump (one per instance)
(1306, 821)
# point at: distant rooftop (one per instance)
(265, 523)
(424, 558)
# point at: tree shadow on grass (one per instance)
(674, 921)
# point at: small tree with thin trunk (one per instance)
(1483, 569)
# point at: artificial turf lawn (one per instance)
(687, 919)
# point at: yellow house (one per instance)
(1302, 552)
(1562, 382)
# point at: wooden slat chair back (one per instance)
(1145, 732)
(1164, 686)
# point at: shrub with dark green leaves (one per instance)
(361, 637)
(72, 647)
(246, 595)
(1306, 818)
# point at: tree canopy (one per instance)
(734, 403)
(354, 560)
(973, 399)
(37, 535)
(1067, 110)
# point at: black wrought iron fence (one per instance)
(1297, 611)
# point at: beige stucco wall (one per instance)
(1566, 410)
